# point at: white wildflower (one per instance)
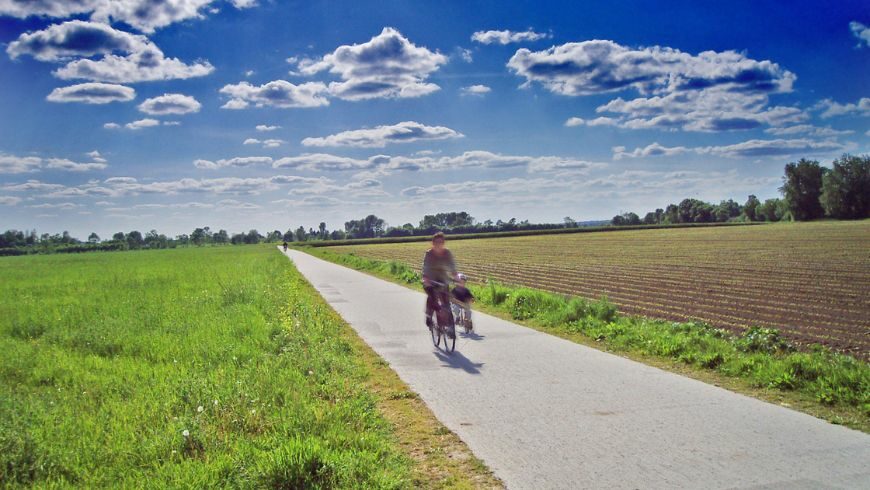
(185, 432)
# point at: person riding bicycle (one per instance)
(463, 298)
(438, 267)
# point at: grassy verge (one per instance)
(195, 368)
(759, 362)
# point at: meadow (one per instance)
(808, 280)
(193, 368)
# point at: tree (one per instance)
(369, 227)
(198, 236)
(288, 235)
(672, 214)
(135, 239)
(274, 236)
(569, 222)
(253, 237)
(221, 237)
(617, 220)
(772, 210)
(846, 188)
(750, 209)
(802, 188)
(301, 235)
(650, 218)
(118, 237)
(323, 235)
(93, 238)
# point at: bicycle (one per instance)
(462, 316)
(443, 327)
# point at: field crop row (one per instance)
(810, 280)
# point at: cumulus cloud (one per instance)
(598, 121)
(265, 127)
(478, 90)
(233, 162)
(11, 164)
(387, 66)
(507, 37)
(75, 39)
(777, 147)
(278, 93)
(170, 104)
(9, 200)
(126, 58)
(92, 93)
(111, 125)
(271, 143)
(361, 187)
(144, 15)
(860, 31)
(830, 108)
(652, 150)
(600, 66)
(710, 91)
(142, 123)
(809, 130)
(148, 64)
(327, 162)
(403, 132)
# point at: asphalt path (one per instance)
(543, 412)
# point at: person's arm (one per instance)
(427, 270)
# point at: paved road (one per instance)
(543, 412)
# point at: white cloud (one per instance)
(860, 31)
(326, 162)
(142, 123)
(598, 121)
(111, 125)
(10, 164)
(96, 156)
(465, 54)
(710, 91)
(148, 64)
(264, 127)
(233, 162)
(33, 186)
(92, 93)
(270, 143)
(75, 39)
(403, 132)
(62, 205)
(479, 90)
(144, 15)
(507, 37)
(387, 66)
(9, 200)
(600, 66)
(777, 147)
(808, 129)
(170, 104)
(830, 108)
(278, 93)
(652, 150)
(361, 187)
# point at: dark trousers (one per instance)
(433, 296)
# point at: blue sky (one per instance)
(238, 114)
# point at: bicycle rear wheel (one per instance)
(435, 331)
(449, 340)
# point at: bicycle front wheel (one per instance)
(436, 334)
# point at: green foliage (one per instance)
(109, 358)
(846, 188)
(802, 187)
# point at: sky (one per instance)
(120, 115)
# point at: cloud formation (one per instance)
(264, 127)
(270, 143)
(278, 93)
(11, 164)
(387, 66)
(861, 32)
(403, 132)
(598, 121)
(143, 15)
(92, 93)
(479, 90)
(830, 108)
(170, 104)
(507, 37)
(710, 91)
(75, 39)
(232, 162)
(746, 149)
(146, 65)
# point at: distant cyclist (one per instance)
(438, 267)
(285, 246)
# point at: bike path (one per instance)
(543, 412)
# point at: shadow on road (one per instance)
(471, 336)
(457, 361)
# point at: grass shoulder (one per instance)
(758, 363)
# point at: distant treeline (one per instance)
(809, 191)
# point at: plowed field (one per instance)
(810, 280)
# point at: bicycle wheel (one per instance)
(435, 331)
(448, 328)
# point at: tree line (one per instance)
(810, 191)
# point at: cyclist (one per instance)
(438, 267)
(285, 245)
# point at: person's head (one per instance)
(460, 279)
(438, 242)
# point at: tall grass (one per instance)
(185, 368)
(758, 355)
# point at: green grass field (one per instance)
(185, 368)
